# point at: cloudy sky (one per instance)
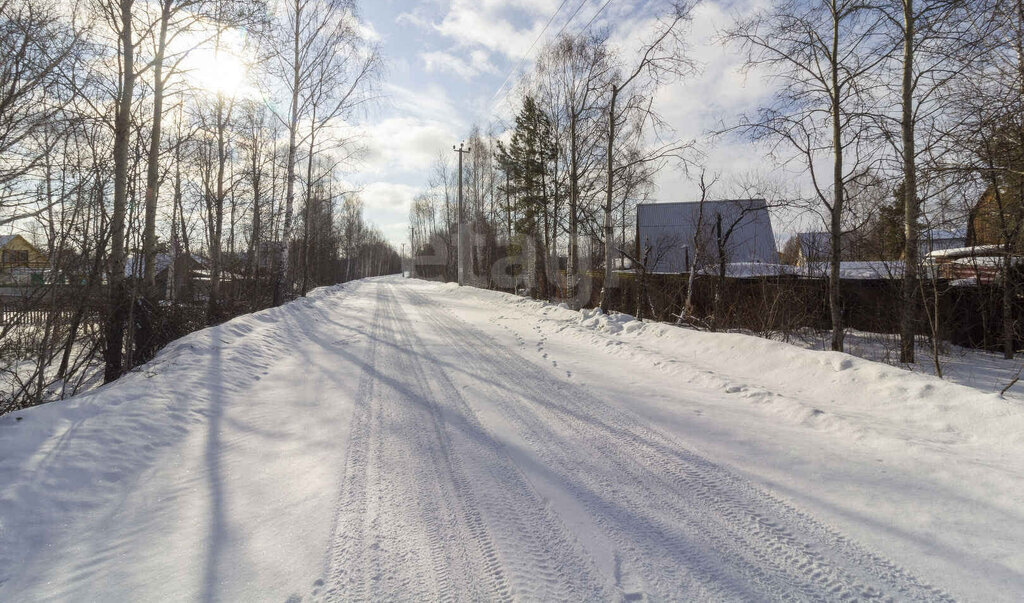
(447, 61)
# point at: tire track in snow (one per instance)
(410, 523)
(530, 554)
(459, 567)
(341, 575)
(633, 564)
(654, 497)
(382, 546)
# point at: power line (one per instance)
(564, 25)
(595, 16)
(535, 40)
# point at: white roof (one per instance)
(862, 270)
(976, 251)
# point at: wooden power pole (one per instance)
(461, 248)
(412, 251)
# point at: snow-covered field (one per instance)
(398, 439)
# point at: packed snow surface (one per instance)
(393, 439)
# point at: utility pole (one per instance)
(461, 251)
(412, 251)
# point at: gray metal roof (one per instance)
(671, 231)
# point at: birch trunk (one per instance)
(113, 354)
(908, 317)
(609, 226)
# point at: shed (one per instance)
(743, 227)
(177, 276)
(978, 264)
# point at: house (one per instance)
(981, 264)
(20, 262)
(740, 228)
(181, 277)
(989, 216)
(937, 239)
(813, 247)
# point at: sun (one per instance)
(219, 68)
(219, 72)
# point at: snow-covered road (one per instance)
(399, 440)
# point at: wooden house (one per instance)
(20, 262)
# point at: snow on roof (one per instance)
(751, 270)
(964, 252)
(864, 270)
(872, 270)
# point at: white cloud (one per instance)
(406, 145)
(703, 102)
(386, 205)
(387, 196)
(477, 41)
(430, 102)
(368, 32)
(446, 62)
(417, 125)
(505, 26)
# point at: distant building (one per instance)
(20, 262)
(990, 214)
(743, 227)
(266, 254)
(813, 247)
(980, 264)
(181, 277)
(937, 239)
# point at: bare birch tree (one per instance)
(318, 39)
(820, 54)
(630, 105)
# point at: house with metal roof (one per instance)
(741, 228)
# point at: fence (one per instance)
(969, 316)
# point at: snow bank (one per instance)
(827, 391)
(78, 455)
